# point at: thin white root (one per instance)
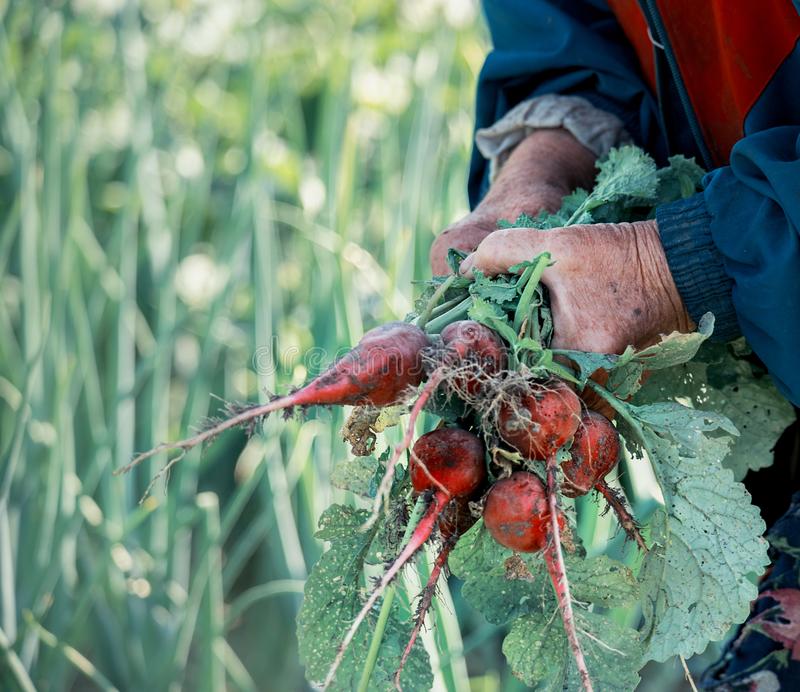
(244, 416)
(687, 674)
(421, 534)
(554, 558)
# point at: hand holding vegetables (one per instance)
(547, 165)
(610, 285)
(514, 443)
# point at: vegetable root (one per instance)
(425, 601)
(554, 558)
(626, 520)
(385, 365)
(418, 538)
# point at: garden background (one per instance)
(193, 194)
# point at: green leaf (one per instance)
(505, 586)
(571, 203)
(717, 380)
(454, 259)
(627, 180)
(627, 172)
(588, 363)
(522, 221)
(695, 582)
(625, 376)
(501, 289)
(683, 423)
(601, 580)
(476, 552)
(536, 648)
(538, 652)
(356, 475)
(676, 348)
(626, 380)
(679, 180)
(498, 584)
(333, 596)
(626, 370)
(388, 539)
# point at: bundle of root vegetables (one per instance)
(491, 488)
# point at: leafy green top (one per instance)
(333, 595)
(704, 417)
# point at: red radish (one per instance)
(539, 423)
(522, 515)
(469, 343)
(595, 451)
(449, 463)
(516, 513)
(384, 365)
(448, 460)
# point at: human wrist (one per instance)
(669, 313)
(555, 159)
(548, 118)
(547, 165)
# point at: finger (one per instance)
(465, 237)
(465, 269)
(507, 247)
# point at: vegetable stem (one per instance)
(438, 294)
(587, 205)
(563, 372)
(620, 407)
(386, 607)
(444, 307)
(524, 304)
(458, 312)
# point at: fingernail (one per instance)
(465, 268)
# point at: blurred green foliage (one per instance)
(193, 194)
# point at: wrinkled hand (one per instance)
(545, 166)
(610, 285)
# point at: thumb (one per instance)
(509, 246)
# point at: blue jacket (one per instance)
(728, 96)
